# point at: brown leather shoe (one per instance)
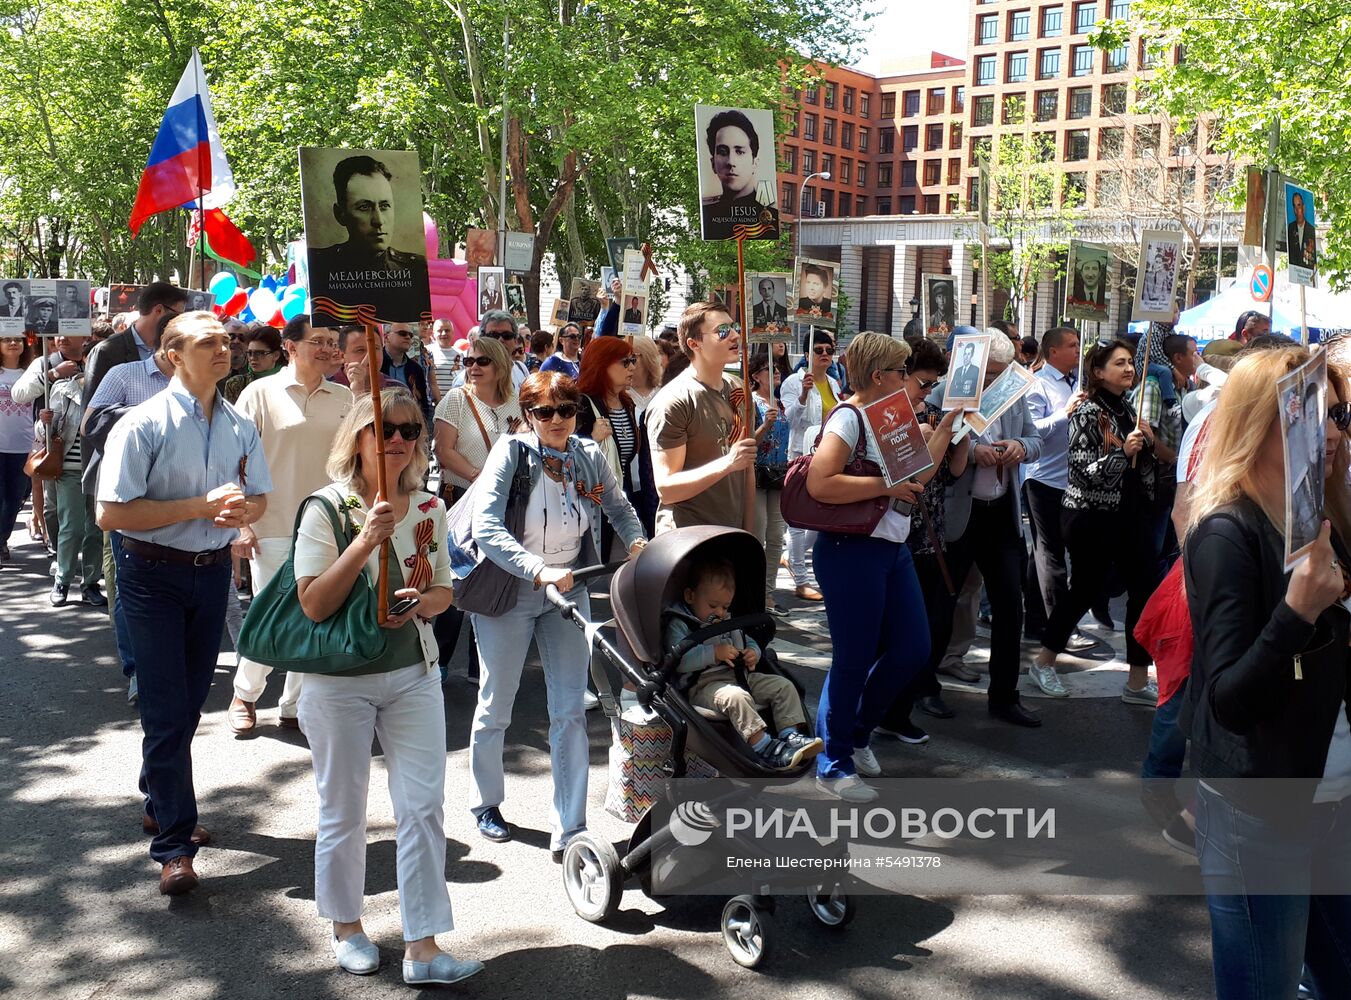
(807, 593)
(177, 877)
(242, 715)
(288, 722)
(201, 836)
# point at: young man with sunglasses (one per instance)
(808, 398)
(700, 450)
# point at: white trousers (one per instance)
(799, 541)
(340, 715)
(251, 677)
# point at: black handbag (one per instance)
(770, 477)
(486, 588)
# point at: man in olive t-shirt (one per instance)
(700, 452)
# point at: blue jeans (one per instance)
(1167, 744)
(503, 643)
(881, 640)
(1260, 942)
(120, 630)
(14, 487)
(175, 614)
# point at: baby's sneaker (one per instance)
(806, 746)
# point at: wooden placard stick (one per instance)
(748, 414)
(374, 352)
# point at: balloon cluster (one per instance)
(274, 301)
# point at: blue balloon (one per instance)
(291, 307)
(223, 287)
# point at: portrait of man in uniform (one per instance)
(70, 304)
(771, 307)
(42, 316)
(584, 306)
(737, 181)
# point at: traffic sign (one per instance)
(1261, 283)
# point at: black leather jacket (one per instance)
(1265, 685)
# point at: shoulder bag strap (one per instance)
(473, 408)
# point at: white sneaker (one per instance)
(589, 700)
(850, 788)
(1147, 695)
(356, 955)
(865, 762)
(1045, 677)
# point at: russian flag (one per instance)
(187, 161)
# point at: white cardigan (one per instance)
(802, 416)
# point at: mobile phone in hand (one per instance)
(404, 606)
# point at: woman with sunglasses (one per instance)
(568, 359)
(808, 397)
(1268, 691)
(16, 437)
(572, 493)
(607, 417)
(264, 357)
(470, 418)
(396, 697)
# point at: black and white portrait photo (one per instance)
(584, 305)
(1303, 418)
(1156, 275)
(738, 185)
(515, 295)
(491, 289)
(767, 297)
(13, 306)
(940, 304)
(815, 290)
(966, 371)
(363, 227)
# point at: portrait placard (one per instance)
(899, 438)
(202, 302)
(1086, 273)
(1302, 400)
(617, 246)
(559, 316)
(1011, 385)
(491, 282)
(940, 304)
(515, 296)
(363, 230)
(738, 186)
(480, 249)
(814, 286)
(632, 264)
(1301, 238)
(769, 293)
(73, 307)
(584, 305)
(13, 307)
(1156, 275)
(633, 320)
(123, 298)
(966, 371)
(40, 317)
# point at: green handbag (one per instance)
(277, 632)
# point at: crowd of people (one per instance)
(181, 462)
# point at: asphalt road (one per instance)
(80, 916)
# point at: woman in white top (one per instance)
(471, 418)
(873, 601)
(397, 697)
(16, 437)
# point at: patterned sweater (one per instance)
(1099, 468)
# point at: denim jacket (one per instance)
(495, 542)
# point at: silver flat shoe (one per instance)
(442, 970)
(356, 955)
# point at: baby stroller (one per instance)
(594, 873)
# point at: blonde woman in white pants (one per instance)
(396, 697)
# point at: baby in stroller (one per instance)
(720, 673)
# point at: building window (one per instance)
(983, 111)
(1114, 99)
(958, 100)
(985, 71)
(828, 132)
(931, 204)
(861, 205)
(953, 206)
(889, 105)
(845, 202)
(863, 140)
(1015, 110)
(989, 29)
(1051, 18)
(788, 193)
(1020, 25)
(908, 173)
(1075, 189)
(813, 94)
(1083, 60)
(1111, 143)
(954, 172)
(865, 103)
(1085, 16)
(955, 135)
(932, 172)
(936, 100)
(1108, 193)
(862, 175)
(809, 127)
(1015, 69)
(1048, 105)
(1081, 102)
(830, 95)
(1119, 10)
(973, 194)
(1147, 138)
(910, 108)
(1076, 144)
(933, 137)
(846, 135)
(846, 169)
(1048, 64)
(1149, 55)
(790, 159)
(849, 93)
(808, 162)
(884, 205)
(886, 140)
(907, 204)
(980, 149)
(883, 174)
(792, 127)
(1117, 60)
(1182, 180)
(827, 163)
(909, 138)
(827, 202)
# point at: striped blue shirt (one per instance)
(129, 384)
(164, 449)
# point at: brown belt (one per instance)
(149, 550)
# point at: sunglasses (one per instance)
(565, 411)
(924, 384)
(630, 361)
(1340, 414)
(501, 336)
(823, 351)
(479, 362)
(411, 431)
(570, 336)
(725, 330)
(258, 354)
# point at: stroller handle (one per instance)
(580, 575)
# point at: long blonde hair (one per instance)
(344, 460)
(1238, 430)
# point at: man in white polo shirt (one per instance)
(297, 412)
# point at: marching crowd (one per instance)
(178, 462)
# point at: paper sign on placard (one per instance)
(1086, 281)
(1301, 398)
(634, 282)
(966, 376)
(1156, 275)
(45, 307)
(769, 294)
(1002, 393)
(1301, 240)
(899, 438)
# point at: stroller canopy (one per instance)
(655, 578)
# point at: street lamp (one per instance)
(801, 206)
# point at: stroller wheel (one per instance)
(592, 878)
(831, 906)
(747, 930)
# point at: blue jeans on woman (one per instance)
(14, 487)
(1259, 942)
(881, 640)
